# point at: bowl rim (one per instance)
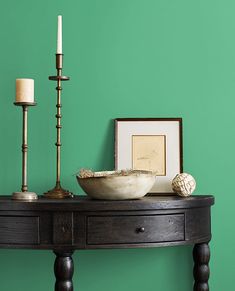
(117, 174)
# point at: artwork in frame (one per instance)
(153, 144)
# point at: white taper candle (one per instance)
(59, 35)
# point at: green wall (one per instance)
(126, 58)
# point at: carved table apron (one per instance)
(81, 223)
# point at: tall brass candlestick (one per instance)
(58, 192)
(24, 194)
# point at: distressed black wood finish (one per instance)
(135, 229)
(63, 270)
(201, 271)
(81, 223)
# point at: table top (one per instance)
(84, 203)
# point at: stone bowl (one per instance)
(117, 185)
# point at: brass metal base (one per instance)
(25, 196)
(25, 103)
(58, 193)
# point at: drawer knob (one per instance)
(140, 229)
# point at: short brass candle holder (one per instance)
(58, 192)
(24, 194)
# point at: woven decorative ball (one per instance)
(183, 184)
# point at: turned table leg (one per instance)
(201, 271)
(63, 269)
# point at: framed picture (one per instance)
(153, 144)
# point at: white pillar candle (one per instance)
(25, 90)
(59, 35)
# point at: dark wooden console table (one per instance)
(81, 223)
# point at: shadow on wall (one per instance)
(105, 158)
(10, 144)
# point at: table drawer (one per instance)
(18, 230)
(135, 229)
